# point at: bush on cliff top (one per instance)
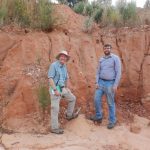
(3, 12)
(27, 13)
(124, 14)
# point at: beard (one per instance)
(107, 53)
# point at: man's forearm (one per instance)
(118, 71)
(52, 84)
(97, 73)
(118, 77)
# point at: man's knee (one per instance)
(54, 108)
(96, 97)
(111, 103)
(73, 98)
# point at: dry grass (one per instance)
(27, 13)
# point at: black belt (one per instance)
(62, 87)
(106, 80)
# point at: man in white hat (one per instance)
(58, 77)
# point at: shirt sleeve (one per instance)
(98, 72)
(51, 71)
(117, 70)
(67, 75)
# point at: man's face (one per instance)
(63, 59)
(107, 50)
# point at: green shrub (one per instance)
(43, 96)
(3, 12)
(88, 24)
(20, 13)
(28, 13)
(115, 18)
(89, 9)
(112, 17)
(95, 5)
(98, 15)
(42, 16)
(129, 14)
(121, 4)
(79, 7)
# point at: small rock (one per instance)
(121, 95)
(135, 129)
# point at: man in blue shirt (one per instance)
(58, 77)
(107, 80)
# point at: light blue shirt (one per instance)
(58, 73)
(109, 68)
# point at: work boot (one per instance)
(57, 131)
(93, 118)
(111, 125)
(74, 115)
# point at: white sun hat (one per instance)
(63, 52)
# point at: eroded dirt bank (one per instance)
(25, 56)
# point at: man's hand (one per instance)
(114, 89)
(57, 93)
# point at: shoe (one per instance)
(111, 125)
(74, 115)
(57, 131)
(93, 118)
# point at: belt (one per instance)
(62, 87)
(107, 80)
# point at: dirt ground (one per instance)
(83, 134)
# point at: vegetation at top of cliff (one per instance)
(102, 12)
(27, 13)
(39, 14)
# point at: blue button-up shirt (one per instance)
(109, 68)
(58, 73)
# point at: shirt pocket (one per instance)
(109, 63)
(57, 75)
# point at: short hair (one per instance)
(107, 45)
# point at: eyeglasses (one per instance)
(107, 48)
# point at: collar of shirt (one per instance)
(60, 65)
(106, 57)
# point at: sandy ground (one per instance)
(82, 134)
